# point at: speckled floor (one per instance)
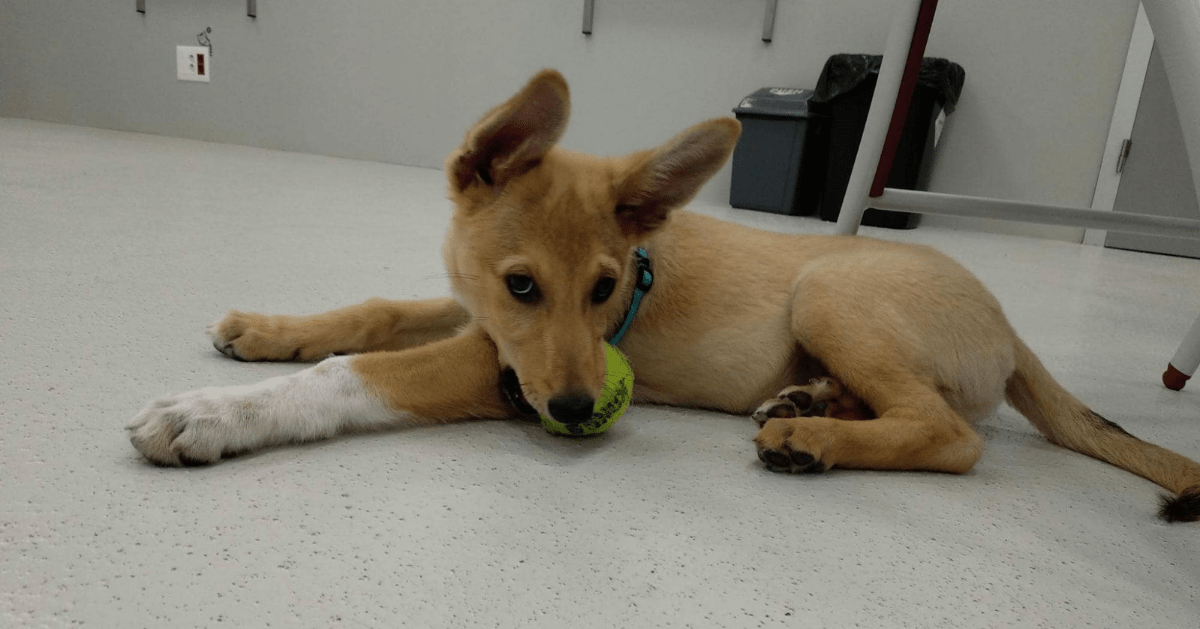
(116, 250)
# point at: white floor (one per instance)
(116, 249)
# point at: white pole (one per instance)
(1186, 359)
(895, 54)
(920, 202)
(1176, 26)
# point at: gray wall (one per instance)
(400, 80)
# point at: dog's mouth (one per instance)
(510, 384)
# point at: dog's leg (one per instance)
(917, 431)
(374, 325)
(455, 378)
(884, 343)
(821, 397)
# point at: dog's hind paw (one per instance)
(790, 462)
(810, 400)
(821, 397)
(782, 446)
(775, 407)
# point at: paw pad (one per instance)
(790, 461)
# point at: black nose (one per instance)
(571, 409)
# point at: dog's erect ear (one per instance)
(513, 138)
(662, 179)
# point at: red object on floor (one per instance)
(1174, 379)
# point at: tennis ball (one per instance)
(614, 399)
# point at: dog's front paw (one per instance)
(192, 428)
(250, 336)
(792, 445)
(200, 427)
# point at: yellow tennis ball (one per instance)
(614, 399)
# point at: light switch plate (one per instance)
(192, 63)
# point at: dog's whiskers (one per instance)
(524, 391)
(463, 276)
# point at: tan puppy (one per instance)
(540, 255)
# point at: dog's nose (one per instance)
(571, 409)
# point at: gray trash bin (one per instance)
(779, 161)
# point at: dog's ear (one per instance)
(662, 179)
(512, 138)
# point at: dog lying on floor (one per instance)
(541, 256)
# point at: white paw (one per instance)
(193, 428)
(199, 427)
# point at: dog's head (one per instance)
(540, 250)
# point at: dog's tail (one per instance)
(1067, 422)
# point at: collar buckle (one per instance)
(645, 279)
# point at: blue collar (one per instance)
(645, 279)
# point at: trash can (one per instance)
(778, 164)
(843, 94)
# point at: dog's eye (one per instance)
(603, 290)
(522, 287)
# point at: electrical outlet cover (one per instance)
(192, 63)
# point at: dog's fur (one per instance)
(736, 316)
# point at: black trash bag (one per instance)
(843, 96)
(845, 72)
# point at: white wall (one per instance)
(400, 80)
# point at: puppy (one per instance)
(543, 256)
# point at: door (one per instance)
(1156, 177)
